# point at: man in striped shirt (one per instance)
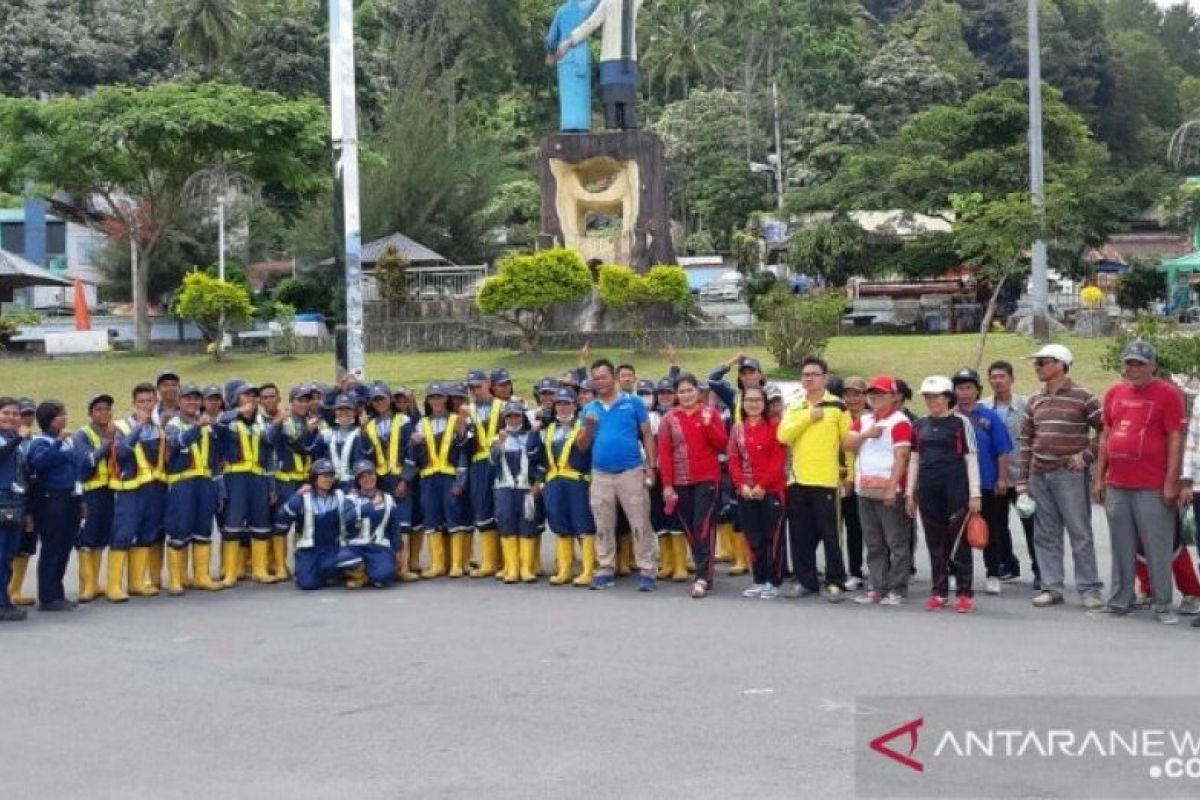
(1057, 452)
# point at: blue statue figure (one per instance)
(574, 66)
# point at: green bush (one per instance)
(798, 326)
(1178, 352)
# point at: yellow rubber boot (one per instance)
(535, 566)
(724, 550)
(437, 556)
(415, 540)
(87, 577)
(528, 550)
(680, 546)
(512, 559)
(19, 567)
(741, 555)
(666, 557)
(245, 562)
(231, 563)
(202, 566)
(469, 561)
(403, 571)
(356, 578)
(259, 550)
(489, 550)
(176, 566)
(587, 561)
(625, 555)
(186, 580)
(154, 564)
(116, 577)
(460, 545)
(279, 557)
(139, 563)
(564, 553)
(98, 563)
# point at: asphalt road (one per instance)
(469, 688)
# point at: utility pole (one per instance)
(1037, 179)
(778, 147)
(344, 123)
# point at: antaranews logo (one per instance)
(1027, 746)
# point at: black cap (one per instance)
(212, 391)
(191, 389)
(645, 386)
(476, 376)
(501, 375)
(300, 392)
(26, 406)
(966, 375)
(456, 390)
(665, 385)
(436, 388)
(546, 386)
(750, 363)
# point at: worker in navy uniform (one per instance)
(561, 474)
(27, 547)
(294, 447)
(193, 453)
(404, 401)
(56, 499)
(343, 443)
(318, 512)
(139, 455)
(246, 442)
(502, 385)
(372, 525)
(93, 447)
(12, 502)
(166, 385)
(386, 435)
(480, 430)
(515, 514)
(439, 458)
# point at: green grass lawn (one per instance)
(909, 357)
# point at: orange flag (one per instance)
(83, 318)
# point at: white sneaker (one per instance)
(953, 583)
(1189, 605)
(793, 589)
(769, 592)
(993, 586)
(754, 590)
(892, 599)
(853, 584)
(870, 598)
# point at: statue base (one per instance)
(605, 195)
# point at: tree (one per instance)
(900, 81)
(686, 44)
(207, 29)
(391, 274)
(663, 290)
(526, 287)
(214, 305)
(1141, 286)
(818, 141)
(798, 326)
(835, 250)
(124, 155)
(285, 55)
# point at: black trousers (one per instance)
(620, 105)
(1014, 568)
(762, 523)
(942, 496)
(812, 513)
(998, 555)
(854, 536)
(697, 515)
(56, 520)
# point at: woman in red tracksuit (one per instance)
(691, 437)
(758, 464)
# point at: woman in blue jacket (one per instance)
(56, 498)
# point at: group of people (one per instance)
(360, 484)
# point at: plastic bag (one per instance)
(1187, 525)
(530, 508)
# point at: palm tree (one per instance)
(206, 29)
(685, 42)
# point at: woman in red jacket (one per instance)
(758, 464)
(691, 437)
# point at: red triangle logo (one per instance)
(879, 744)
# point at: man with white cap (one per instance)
(1137, 477)
(1057, 452)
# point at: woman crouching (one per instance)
(372, 528)
(318, 512)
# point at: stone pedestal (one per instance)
(616, 177)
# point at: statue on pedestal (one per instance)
(574, 67)
(618, 58)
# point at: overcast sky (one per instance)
(1195, 4)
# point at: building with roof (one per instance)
(57, 250)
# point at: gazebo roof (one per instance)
(1185, 263)
(412, 251)
(17, 273)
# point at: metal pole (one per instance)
(1039, 293)
(344, 123)
(778, 147)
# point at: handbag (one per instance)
(977, 532)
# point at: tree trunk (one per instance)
(986, 326)
(140, 289)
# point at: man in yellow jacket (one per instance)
(813, 427)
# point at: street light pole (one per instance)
(344, 124)
(778, 147)
(1037, 179)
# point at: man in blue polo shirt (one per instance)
(617, 432)
(994, 446)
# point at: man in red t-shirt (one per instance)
(1137, 477)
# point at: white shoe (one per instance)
(769, 592)
(892, 599)
(870, 598)
(1189, 605)
(754, 590)
(793, 590)
(953, 583)
(853, 584)
(993, 586)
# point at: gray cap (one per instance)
(513, 409)
(1139, 350)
